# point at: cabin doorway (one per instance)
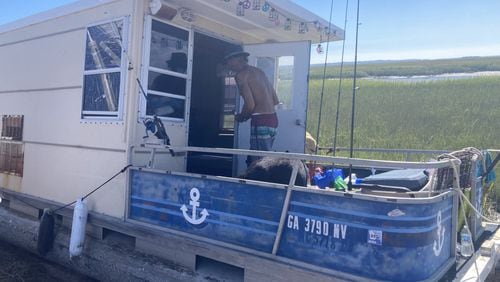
(286, 65)
(213, 103)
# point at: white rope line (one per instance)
(463, 198)
(489, 220)
(468, 149)
(457, 188)
(456, 169)
(479, 153)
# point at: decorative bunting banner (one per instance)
(275, 16)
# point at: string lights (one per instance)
(256, 5)
(319, 49)
(274, 15)
(186, 14)
(266, 7)
(288, 24)
(247, 4)
(240, 9)
(303, 28)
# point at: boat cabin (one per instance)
(78, 81)
(84, 88)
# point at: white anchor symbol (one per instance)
(195, 196)
(440, 231)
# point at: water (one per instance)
(423, 78)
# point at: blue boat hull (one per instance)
(362, 236)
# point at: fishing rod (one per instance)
(340, 83)
(324, 75)
(354, 88)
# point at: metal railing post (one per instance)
(284, 211)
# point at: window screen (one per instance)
(167, 71)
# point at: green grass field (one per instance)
(433, 115)
(445, 114)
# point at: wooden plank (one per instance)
(23, 208)
(166, 249)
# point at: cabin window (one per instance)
(11, 145)
(167, 74)
(105, 70)
(229, 104)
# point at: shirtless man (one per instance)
(259, 99)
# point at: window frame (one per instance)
(12, 159)
(230, 88)
(122, 69)
(146, 68)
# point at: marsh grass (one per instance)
(430, 115)
(438, 115)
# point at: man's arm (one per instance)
(276, 101)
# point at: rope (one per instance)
(106, 182)
(83, 198)
(23, 201)
(489, 220)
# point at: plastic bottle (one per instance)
(353, 177)
(466, 248)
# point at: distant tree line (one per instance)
(408, 68)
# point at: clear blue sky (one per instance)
(415, 29)
(390, 29)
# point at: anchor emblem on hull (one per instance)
(440, 238)
(195, 196)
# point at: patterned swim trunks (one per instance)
(263, 130)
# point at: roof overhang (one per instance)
(255, 26)
(218, 16)
(52, 14)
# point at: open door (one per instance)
(287, 67)
(213, 102)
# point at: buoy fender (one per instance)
(45, 232)
(78, 228)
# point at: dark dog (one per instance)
(276, 170)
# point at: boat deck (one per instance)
(482, 266)
(204, 259)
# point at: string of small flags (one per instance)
(274, 15)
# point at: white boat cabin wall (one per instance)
(73, 75)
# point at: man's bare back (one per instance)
(257, 92)
(259, 99)
(253, 82)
